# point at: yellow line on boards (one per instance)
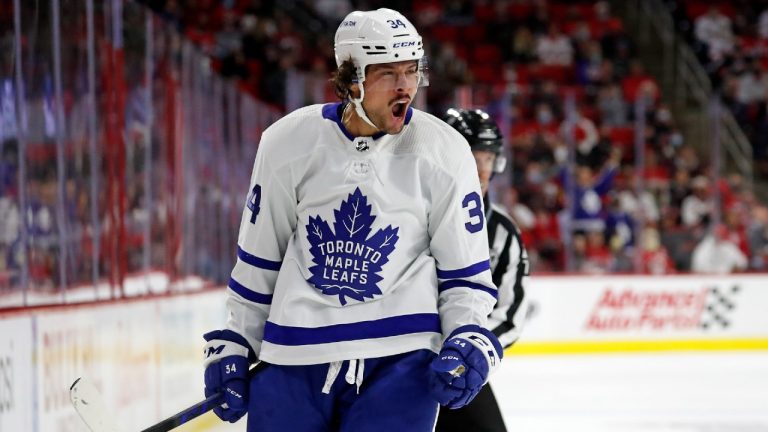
(589, 347)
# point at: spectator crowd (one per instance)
(601, 180)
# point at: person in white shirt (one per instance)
(762, 24)
(714, 29)
(752, 86)
(717, 254)
(696, 208)
(554, 48)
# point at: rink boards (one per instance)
(144, 354)
(645, 313)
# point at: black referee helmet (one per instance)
(480, 131)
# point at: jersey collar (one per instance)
(332, 111)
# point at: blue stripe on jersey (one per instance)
(249, 294)
(385, 327)
(472, 270)
(258, 262)
(456, 283)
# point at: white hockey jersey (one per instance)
(353, 248)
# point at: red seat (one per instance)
(578, 92)
(586, 10)
(523, 128)
(694, 9)
(556, 73)
(590, 112)
(254, 68)
(484, 12)
(522, 74)
(519, 11)
(623, 136)
(474, 33)
(486, 73)
(461, 51)
(753, 46)
(216, 64)
(487, 53)
(570, 27)
(557, 12)
(599, 29)
(445, 33)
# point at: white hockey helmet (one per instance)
(376, 37)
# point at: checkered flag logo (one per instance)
(720, 306)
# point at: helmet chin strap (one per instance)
(358, 103)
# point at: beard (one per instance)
(391, 118)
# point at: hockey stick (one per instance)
(90, 406)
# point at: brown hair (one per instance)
(343, 78)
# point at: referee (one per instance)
(509, 264)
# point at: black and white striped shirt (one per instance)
(510, 268)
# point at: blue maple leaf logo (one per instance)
(348, 259)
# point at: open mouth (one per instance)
(399, 108)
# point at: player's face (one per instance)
(389, 91)
(484, 160)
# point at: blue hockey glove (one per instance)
(227, 357)
(468, 357)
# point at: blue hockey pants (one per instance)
(383, 394)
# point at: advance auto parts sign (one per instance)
(631, 309)
(637, 308)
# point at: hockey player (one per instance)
(362, 253)
(509, 265)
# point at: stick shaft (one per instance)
(197, 409)
(188, 414)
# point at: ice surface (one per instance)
(668, 392)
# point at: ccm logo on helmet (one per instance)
(403, 44)
(348, 24)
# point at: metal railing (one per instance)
(124, 165)
(685, 83)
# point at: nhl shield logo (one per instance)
(362, 145)
(348, 259)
